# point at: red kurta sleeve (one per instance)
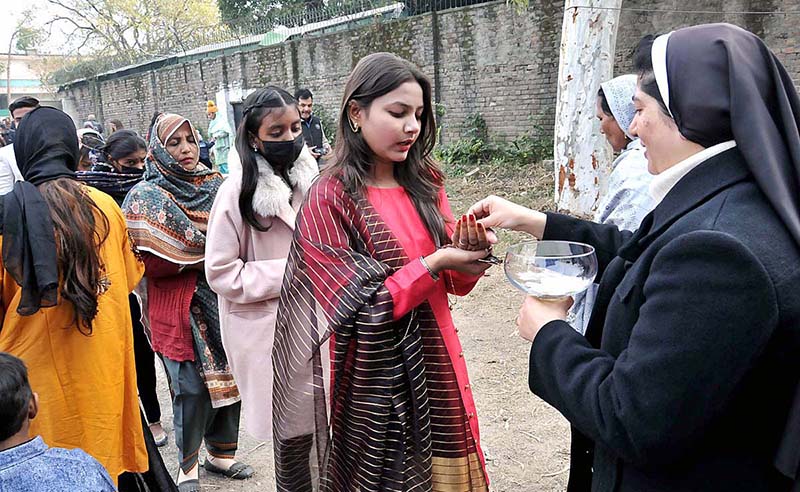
(169, 295)
(412, 285)
(409, 287)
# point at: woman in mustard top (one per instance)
(67, 270)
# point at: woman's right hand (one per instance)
(459, 260)
(494, 211)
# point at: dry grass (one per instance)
(531, 185)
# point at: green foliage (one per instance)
(328, 120)
(29, 37)
(237, 13)
(519, 5)
(260, 16)
(478, 148)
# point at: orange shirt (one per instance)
(86, 384)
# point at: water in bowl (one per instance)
(551, 270)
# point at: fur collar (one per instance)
(272, 194)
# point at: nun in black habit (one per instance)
(687, 377)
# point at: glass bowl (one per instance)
(551, 270)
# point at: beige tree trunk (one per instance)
(582, 156)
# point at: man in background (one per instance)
(313, 133)
(91, 122)
(9, 171)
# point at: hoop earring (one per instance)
(353, 125)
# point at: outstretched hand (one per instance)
(460, 260)
(494, 211)
(468, 234)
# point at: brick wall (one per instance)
(492, 60)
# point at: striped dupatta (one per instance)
(361, 402)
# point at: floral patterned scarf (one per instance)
(168, 212)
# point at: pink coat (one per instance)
(245, 268)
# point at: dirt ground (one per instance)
(526, 441)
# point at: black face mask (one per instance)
(281, 155)
(131, 170)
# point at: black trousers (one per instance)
(145, 365)
(581, 461)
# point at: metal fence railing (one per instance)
(279, 25)
(273, 27)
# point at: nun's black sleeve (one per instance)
(607, 239)
(708, 313)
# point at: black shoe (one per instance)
(189, 486)
(238, 471)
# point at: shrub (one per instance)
(478, 148)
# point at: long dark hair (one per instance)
(374, 76)
(257, 105)
(121, 144)
(78, 242)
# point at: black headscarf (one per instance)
(726, 84)
(46, 148)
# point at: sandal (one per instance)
(189, 486)
(238, 470)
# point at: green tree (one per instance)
(238, 12)
(131, 30)
(29, 38)
(243, 16)
(24, 37)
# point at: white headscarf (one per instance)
(619, 95)
(659, 56)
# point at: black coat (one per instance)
(313, 133)
(687, 371)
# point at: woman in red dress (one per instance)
(371, 388)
